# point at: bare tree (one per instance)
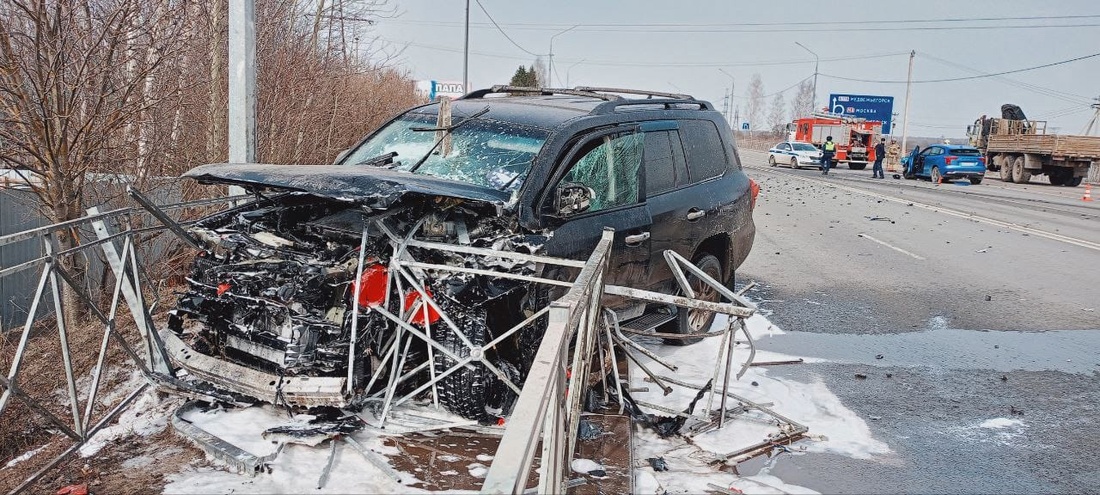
(803, 103)
(756, 102)
(541, 73)
(76, 82)
(777, 120)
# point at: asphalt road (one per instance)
(961, 304)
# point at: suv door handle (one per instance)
(695, 214)
(636, 239)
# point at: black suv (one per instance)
(542, 171)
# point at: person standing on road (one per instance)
(893, 156)
(827, 151)
(880, 153)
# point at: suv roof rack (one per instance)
(505, 89)
(612, 101)
(650, 94)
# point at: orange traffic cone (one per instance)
(1088, 193)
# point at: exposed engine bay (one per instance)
(278, 283)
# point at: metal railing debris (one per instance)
(81, 423)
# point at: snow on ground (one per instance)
(833, 427)
(297, 469)
(147, 415)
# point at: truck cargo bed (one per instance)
(1076, 147)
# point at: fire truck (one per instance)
(854, 137)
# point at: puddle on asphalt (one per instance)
(1070, 351)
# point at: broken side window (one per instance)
(611, 169)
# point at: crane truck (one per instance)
(1020, 148)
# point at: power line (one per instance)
(831, 28)
(650, 63)
(486, 12)
(967, 78)
(1053, 93)
(710, 26)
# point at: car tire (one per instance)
(1074, 182)
(1057, 177)
(771, 161)
(975, 180)
(1006, 170)
(1020, 175)
(693, 321)
(794, 163)
(935, 176)
(465, 391)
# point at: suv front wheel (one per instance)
(696, 321)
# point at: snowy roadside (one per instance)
(297, 469)
(833, 427)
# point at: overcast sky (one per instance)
(680, 47)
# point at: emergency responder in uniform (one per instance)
(827, 151)
(893, 156)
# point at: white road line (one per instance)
(961, 214)
(895, 248)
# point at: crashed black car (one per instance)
(270, 307)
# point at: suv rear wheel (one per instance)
(696, 321)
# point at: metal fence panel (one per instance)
(17, 213)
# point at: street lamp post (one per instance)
(550, 65)
(817, 61)
(733, 84)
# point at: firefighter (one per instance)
(893, 156)
(827, 151)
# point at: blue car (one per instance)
(946, 162)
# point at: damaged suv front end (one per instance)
(268, 311)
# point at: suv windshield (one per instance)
(484, 152)
(803, 147)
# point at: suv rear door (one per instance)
(672, 211)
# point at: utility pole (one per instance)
(242, 84)
(817, 61)
(733, 84)
(466, 53)
(1095, 117)
(908, 93)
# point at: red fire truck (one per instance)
(854, 137)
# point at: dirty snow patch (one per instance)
(477, 470)
(585, 466)
(146, 416)
(484, 457)
(26, 455)
(999, 423)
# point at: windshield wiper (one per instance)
(378, 160)
(446, 132)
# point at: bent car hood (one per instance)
(377, 186)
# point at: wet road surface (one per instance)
(971, 315)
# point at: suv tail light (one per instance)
(981, 160)
(754, 189)
(950, 158)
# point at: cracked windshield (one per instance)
(483, 152)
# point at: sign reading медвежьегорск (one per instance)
(869, 107)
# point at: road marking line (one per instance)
(895, 248)
(948, 211)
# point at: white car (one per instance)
(794, 154)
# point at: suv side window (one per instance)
(660, 168)
(706, 157)
(612, 168)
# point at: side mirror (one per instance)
(343, 154)
(573, 198)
